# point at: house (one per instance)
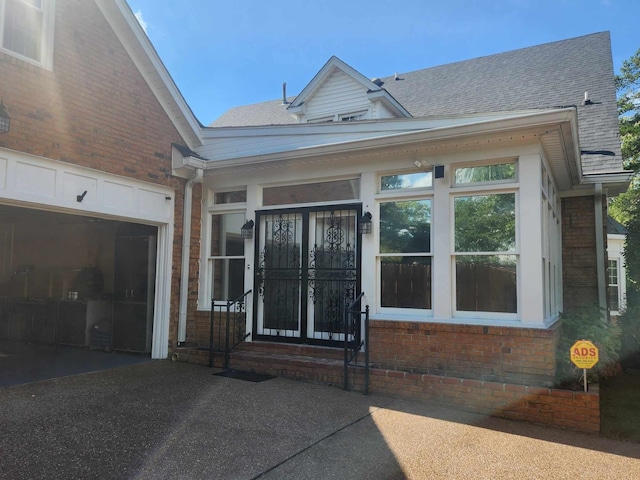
(90, 212)
(616, 271)
(483, 185)
(464, 204)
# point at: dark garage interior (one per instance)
(73, 286)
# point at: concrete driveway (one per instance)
(169, 420)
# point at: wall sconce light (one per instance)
(247, 230)
(365, 223)
(5, 120)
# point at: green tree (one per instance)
(626, 207)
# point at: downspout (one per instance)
(600, 259)
(186, 253)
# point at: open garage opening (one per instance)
(76, 281)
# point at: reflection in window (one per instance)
(485, 266)
(405, 254)
(312, 192)
(227, 256)
(24, 27)
(486, 283)
(407, 180)
(485, 173)
(405, 226)
(238, 196)
(485, 223)
(405, 282)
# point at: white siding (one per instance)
(337, 95)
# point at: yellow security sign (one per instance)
(584, 354)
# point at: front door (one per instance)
(308, 270)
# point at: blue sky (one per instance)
(236, 52)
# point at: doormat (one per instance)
(246, 376)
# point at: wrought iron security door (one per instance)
(307, 271)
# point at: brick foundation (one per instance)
(513, 355)
(540, 405)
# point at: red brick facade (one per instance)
(579, 272)
(501, 354)
(94, 109)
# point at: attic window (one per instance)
(26, 29)
(352, 117)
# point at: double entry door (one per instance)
(307, 271)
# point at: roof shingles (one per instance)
(544, 76)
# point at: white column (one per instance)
(529, 219)
(442, 248)
(368, 185)
(254, 200)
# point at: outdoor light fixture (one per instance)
(247, 230)
(365, 223)
(5, 120)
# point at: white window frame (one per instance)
(47, 34)
(207, 282)
(485, 190)
(400, 195)
(618, 285)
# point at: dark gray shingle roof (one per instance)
(544, 76)
(614, 227)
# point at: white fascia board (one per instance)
(484, 127)
(137, 44)
(386, 126)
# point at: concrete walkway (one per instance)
(163, 420)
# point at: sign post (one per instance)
(584, 354)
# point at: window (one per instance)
(236, 196)
(26, 29)
(352, 117)
(226, 258)
(312, 192)
(500, 172)
(614, 285)
(405, 254)
(405, 181)
(485, 259)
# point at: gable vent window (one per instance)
(26, 28)
(353, 117)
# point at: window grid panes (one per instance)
(23, 28)
(312, 192)
(485, 259)
(226, 259)
(614, 289)
(405, 254)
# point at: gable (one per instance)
(339, 94)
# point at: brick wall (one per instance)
(94, 109)
(579, 274)
(514, 355)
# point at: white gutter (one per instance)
(600, 265)
(186, 253)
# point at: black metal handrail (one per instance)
(234, 332)
(352, 323)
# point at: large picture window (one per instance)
(405, 254)
(26, 27)
(485, 253)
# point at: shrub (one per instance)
(587, 323)
(629, 323)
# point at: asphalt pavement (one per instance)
(166, 420)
